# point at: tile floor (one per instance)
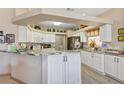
(91, 77)
(88, 77)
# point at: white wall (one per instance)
(117, 15)
(6, 14)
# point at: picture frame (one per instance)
(121, 31)
(2, 39)
(1, 33)
(121, 38)
(10, 38)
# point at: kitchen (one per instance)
(62, 46)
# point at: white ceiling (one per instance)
(83, 11)
(61, 26)
(91, 11)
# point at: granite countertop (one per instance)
(42, 52)
(60, 52)
(101, 52)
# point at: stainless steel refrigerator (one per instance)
(71, 43)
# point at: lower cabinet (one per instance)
(111, 65)
(73, 68)
(62, 69)
(121, 68)
(98, 62)
(93, 60)
(55, 68)
(4, 63)
(26, 68)
(114, 66)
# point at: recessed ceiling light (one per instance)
(57, 23)
(84, 14)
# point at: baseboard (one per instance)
(121, 81)
(99, 72)
(21, 82)
(7, 74)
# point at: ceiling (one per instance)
(61, 26)
(83, 11)
(91, 11)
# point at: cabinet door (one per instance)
(37, 37)
(89, 59)
(111, 65)
(4, 63)
(106, 33)
(98, 62)
(29, 35)
(83, 57)
(73, 68)
(83, 36)
(121, 68)
(56, 71)
(52, 38)
(26, 68)
(22, 34)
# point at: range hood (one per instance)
(48, 14)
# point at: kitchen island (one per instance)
(47, 68)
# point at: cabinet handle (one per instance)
(66, 58)
(63, 58)
(117, 60)
(114, 59)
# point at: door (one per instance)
(111, 65)
(61, 42)
(56, 69)
(73, 68)
(121, 68)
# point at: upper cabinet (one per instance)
(106, 33)
(82, 34)
(26, 35)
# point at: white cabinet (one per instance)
(62, 68)
(56, 70)
(37, 37)
(4, 63)
(98, 62)
(83, 36)
(111, 65)
(49, 38)
(24, 34)
(84, 57)
(114, 66)
(106, 33)
(43, 37)
(120, 61)
(73, 68)
(26, 68)
(93, 60)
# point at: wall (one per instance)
(6, 14)
(116, 14)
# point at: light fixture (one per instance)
(57, 23)
(84, 14)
